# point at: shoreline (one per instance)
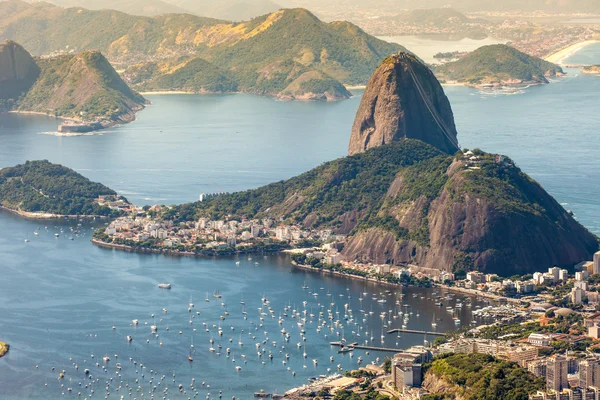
(178, 253)
(558, 57)
(46, 216)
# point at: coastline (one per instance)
(559, 56)
(45, 216)
(4, 347)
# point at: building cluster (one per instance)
(116, 203)
(521, 353)
(568, 378)
(216, 234)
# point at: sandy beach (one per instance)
(565, 53)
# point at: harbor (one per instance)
(296, 316)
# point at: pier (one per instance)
(415, 331)
(354, 346)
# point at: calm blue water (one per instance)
(59, 298)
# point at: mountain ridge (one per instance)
(264, 55)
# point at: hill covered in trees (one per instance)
(498, 65)
(43, 187)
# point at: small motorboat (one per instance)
(164, 285)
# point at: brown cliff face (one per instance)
(403, 99)
(18, 70)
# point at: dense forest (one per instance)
(40, 186)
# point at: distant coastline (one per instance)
(559, 56)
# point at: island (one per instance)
(591, 70)
(83, 89)
(40, 189)
(498, 66)
(182, 52)
(405, 196)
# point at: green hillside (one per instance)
(322, 196)
(40, 186)
(478, 377)
(498, 64)
(248, 54)
(83, 86)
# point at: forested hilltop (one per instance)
(498, 65)
(43, 187)
(288, 53)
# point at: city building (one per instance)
(475, 276)
(555, 273)
(539, 339)
(596, 269)
(557, 373)
(577, 295)
(563, 275)
(589, 373)
(537, 367)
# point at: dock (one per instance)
(355, 346)
(415, 331)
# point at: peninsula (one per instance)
(498, 66)
(40, 189)
(82, 88)
(407, 198)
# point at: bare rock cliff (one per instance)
(403, 99)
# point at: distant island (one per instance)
(288, 54)
(82, 88)
(40, 189)
(498, 66)
(591, 70)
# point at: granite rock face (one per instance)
(403, 99)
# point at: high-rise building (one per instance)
(589, 373)
(597, 263)
(557, 373)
